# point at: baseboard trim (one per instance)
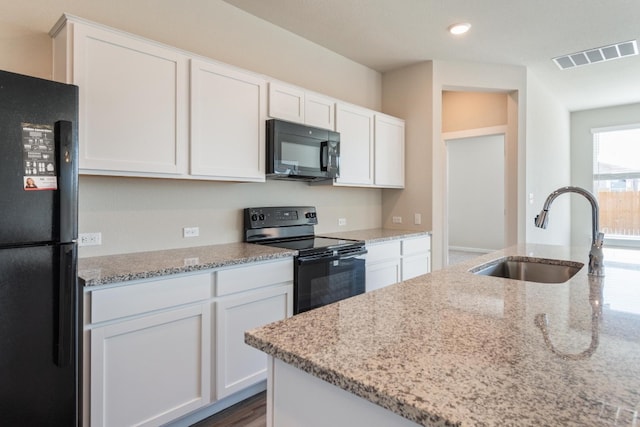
(476, 250)
(220, 405)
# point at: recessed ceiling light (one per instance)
(461, 28)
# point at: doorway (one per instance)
(476, 195)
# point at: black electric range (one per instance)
(326, 269)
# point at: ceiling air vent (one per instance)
(599, 54)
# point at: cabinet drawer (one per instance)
(143, 297)
(253, 276)
(383, 251)
(416, 245)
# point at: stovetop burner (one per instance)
(305, 245)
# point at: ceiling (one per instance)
(388, 34)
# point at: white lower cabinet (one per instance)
(383, 264)
(150, 370)
(393, 261)
(247, 298)
(156, 351)
(237, 364)
(416, 256)
(150, 358)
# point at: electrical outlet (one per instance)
(396, 220)
(417, 218)
(190, 232)
(90, 239)
(342, 221)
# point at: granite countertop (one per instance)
(376, 235)
(141, 265)
(109, 269)
(453, 348)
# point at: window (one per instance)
(616, 175)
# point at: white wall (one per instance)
(582, 158)
(476, 192)
(139, 214)
(548, 164)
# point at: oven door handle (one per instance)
(354, 254)
(324, 258)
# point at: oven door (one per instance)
(324, 279)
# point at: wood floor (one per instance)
(251, 412)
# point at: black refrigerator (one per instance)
(39, 293)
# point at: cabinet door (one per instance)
(355, 125)
(237, 364)
(416, 257)
(320, 111)
(286, 102)
(228, 113)
(383, 264)
(389, 151)
(415, 265)
(383, 274)
(150, 370)
(133, 104)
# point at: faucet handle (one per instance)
(599, 240)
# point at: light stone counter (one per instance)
(376, 235)
(453, 348)
(141, 265)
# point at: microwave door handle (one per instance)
(324, 155)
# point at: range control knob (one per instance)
(261, 216)
(254, 217)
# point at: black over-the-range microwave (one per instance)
(300, 152)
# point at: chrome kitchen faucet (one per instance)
(596, 257)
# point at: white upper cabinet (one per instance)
(297, 105)
(371, 148)
(133, 100)
(389, 151)
(355, 125)
(286, 102)
(150, 110)
(228, 113)
(154, 111)
(320, 111)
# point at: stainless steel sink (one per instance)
(530, 269)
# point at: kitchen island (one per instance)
(454, 348)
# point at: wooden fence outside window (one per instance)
(620, 213)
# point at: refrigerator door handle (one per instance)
(67, 162)
(64, 345)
